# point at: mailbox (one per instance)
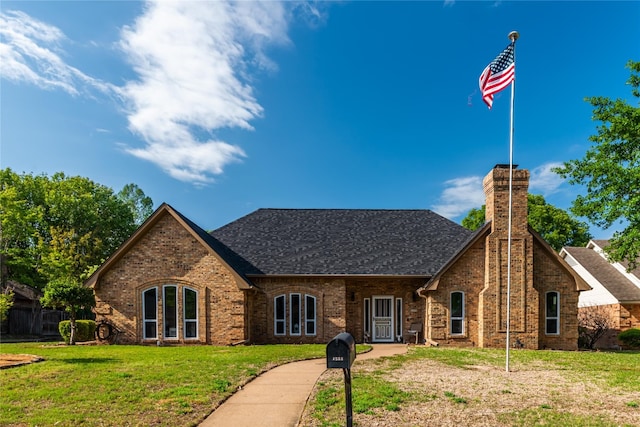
(341, 351)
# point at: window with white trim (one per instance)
(457, 313)
(367, 317)
(309, 315)
(279, 315)
(170, 311)
(150, 313)
(552, 313)
(295, 309)
(174, 323)
(190, 315)
(398, 318)
(301, 315)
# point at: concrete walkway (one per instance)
(277, 397)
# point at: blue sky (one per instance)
(222, 108)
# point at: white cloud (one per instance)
(462, 194)
(459, 196)
(195, 62)
(30, 52)
(544, 180)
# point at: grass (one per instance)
(376, 393)
(131, 385)
(373, 392)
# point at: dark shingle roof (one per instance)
(605, 273)
(341, 242)
(604, 243)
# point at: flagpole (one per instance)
(513, 36)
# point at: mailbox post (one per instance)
(341, 352)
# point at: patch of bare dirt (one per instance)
(487, 396)
(11, 360)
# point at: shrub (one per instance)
(630, 337)
(85, 330)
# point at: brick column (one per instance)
(492, 303)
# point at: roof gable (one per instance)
(618, 283)
(341, 242)
(482, 232)
(208, 241)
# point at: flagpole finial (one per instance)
(513, 36)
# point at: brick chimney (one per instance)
(492, 304)
(496, 190)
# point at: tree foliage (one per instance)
(68, 294)
(60, 226)
(6, 302)
(610, 171)
(140, 204)
(555, 225)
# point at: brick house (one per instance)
(615, 292)
(304, 275)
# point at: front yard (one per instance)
(130, 385)
(180, 386)
(470, 387)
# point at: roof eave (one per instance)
(341, 275)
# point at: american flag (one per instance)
(498, 75)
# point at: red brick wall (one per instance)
(622, 317)
(467, 275)
(169, 254)
(330, 308)
(550, 275)
(482, 274)
(340, 305)
(523, 318)
(629, 316)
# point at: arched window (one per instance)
(552, 313)
(179, 313)
(280, 315)
(310, 315)
(150, 313)
(457, 313)
(301, 315)
(190, 309)
(295, 309)
(170, 311)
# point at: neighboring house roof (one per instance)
(600, 245)
(340, 242)
(208, 241)
(481, 233)
(614, 280)
(25, 291)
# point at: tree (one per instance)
(475, 218)
(22, 200)
(555, 225)
(138, 202)
(6, 302)
(593, 323)
(610, 171)
(70, 295)
(60, 226)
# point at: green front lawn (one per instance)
(131, 385)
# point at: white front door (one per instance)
(382, 319)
